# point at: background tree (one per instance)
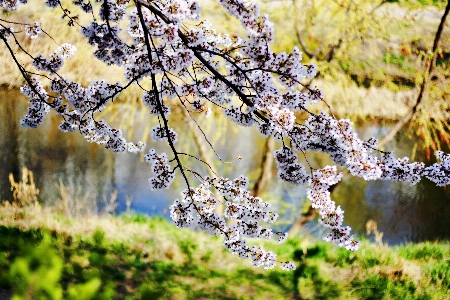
(389, 45)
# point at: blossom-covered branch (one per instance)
(191, 65)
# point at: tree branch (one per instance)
(184, 39)
(204, 156)
(23, 71)
(297, 32)
(158, 100)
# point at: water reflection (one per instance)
(403, 212)
(49, 153)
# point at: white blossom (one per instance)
(175, 58)
(67, 50)
(34, 30)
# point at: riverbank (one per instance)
(137, 257)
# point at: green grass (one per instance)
(136, 257)
(121, 270)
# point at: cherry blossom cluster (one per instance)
(160, 133)
(33, 30)
(196, 208)
(330, 216)
(187, 62)
(76, 105)
(289, 170)
(6, 32)
(55, 3)
(111, 49)
(11, 4)
(38, 109)
(164, 175)
(110, 10)
(67, 50)
(439, 172)
(399, 169)
(51, 64)
(242, 118)
(86, 100)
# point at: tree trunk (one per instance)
(266, 168)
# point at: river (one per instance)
(404, 213)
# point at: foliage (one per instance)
(98, 265)
(180, 62)
(36, 275)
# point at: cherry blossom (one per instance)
(191, 66)
(33, 30)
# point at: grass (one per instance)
(137, 257)
(144, 259)
(50, 253)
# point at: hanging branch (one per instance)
(307, 216)
(203, 153)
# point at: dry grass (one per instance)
(24, 192)
(362, 103)
(372, 227)
(160, 244)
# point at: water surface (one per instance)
(403, 212)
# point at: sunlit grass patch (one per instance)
(102, 256)
(137, 257)
(425, 251)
